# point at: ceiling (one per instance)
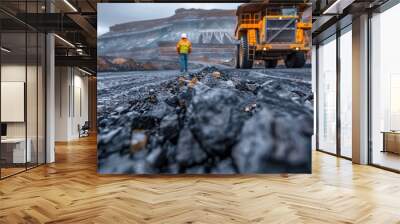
(330, 15)
(73, 21)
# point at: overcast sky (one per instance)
(109, 14)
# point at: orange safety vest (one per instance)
(184, 46)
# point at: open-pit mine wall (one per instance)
(200, 52)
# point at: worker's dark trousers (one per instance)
(183, 62)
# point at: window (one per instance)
(282, 11)
(289, 12)
(327, 96)
(385, 89)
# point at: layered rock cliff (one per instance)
(147, 39)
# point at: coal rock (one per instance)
(256, 143)
(215, 119)
(109, 136)
(285, 106)
(145, 122)
(142, 167)
(200, 88)
(172, 101)
(169, 126)
(225, 166)
(172, 168)
(115, 164)
(189, 151)
(210, 81)
(138, 141)
(118, 138)
(226, 84)
(170, 149)
(160, 110)
(157, 157)
(211, 121)
(267, 140)
(216, 74)
(185, 96)
(293, 145)
(251, 86)
(196, 170)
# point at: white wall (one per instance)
(62, 82)
(80, 102)
(12, 73)
(71, 94)
(16, 73)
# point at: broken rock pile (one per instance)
(209, 122)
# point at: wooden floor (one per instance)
(70, 191)
(387, 159)
(5, 172)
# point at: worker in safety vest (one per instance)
(184, 48)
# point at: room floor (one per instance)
(387, 159)
(10, 171)
(70, 191)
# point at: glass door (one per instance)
(13, 103)
(22, 101)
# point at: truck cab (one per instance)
(270, 32)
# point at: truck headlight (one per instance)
(264, 49)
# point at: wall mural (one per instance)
(195, 88)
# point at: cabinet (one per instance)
(391, 142)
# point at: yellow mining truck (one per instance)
(272, 31)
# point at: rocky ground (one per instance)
(214, 120)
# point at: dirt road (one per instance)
(132, 80)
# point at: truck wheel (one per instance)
(244, 60)
(295, 60)
(271, 63)
(237, 53)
